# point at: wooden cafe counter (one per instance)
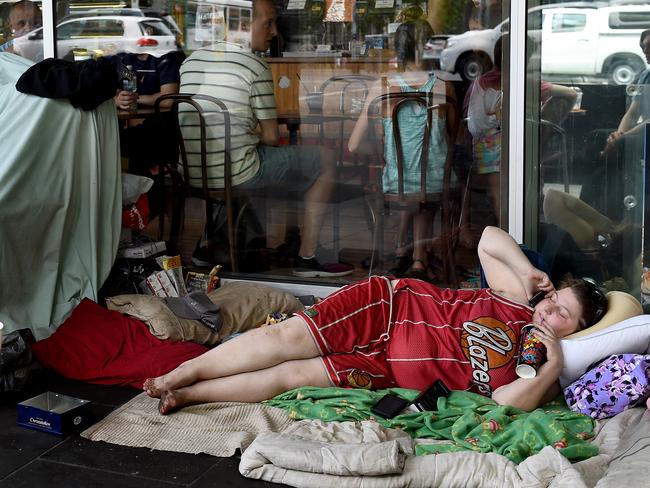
(294, 77)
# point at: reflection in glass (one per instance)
(22, 23)
(584, 161)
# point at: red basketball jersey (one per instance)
(466, 338)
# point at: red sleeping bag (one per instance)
(97, 345)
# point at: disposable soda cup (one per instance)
(578, 102)
(315, 102)
(531, 353)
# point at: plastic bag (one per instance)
(16, 351)
(133, 186)
(17, 366)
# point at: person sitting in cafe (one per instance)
(243, 81)
(153, 141)
(638, 113)
(411, 78)
(156, 76)
(24, 17)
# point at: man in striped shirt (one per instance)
(243, 81)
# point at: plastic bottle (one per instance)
(130, 84)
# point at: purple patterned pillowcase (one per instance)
(619, 382)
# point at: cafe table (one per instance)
(293, 120)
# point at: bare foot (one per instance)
(169, 402)
(150, 386)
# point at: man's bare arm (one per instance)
(166, 89)
(268, 132)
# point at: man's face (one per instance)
(23, 18)
(645, 46)
(263, 29)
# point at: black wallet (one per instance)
(389, 406)
(428, 399)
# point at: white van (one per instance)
(601, 42)
(590, 40)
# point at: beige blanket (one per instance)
(311, 453)
(302, 456)
(218, 429)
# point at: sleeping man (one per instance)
(406, 333)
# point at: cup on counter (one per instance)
(532, 352)
(314, 101)
(578, 102)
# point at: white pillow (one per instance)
(629, 336)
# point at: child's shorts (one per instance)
(487, 153)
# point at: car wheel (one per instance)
(624, 72)
(471, 66)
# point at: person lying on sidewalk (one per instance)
(400, 333)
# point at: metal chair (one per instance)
(423, 198)
(203, 106)
(351, 178)
(554, 155)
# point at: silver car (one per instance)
(100, 36)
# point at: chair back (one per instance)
(554, 151)
(204, 106)
(394, 103)
(346, 85)
(360, 82)
(397, 102)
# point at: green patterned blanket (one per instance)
(470, 421)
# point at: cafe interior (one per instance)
(344, 86)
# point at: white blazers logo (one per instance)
(488, 344)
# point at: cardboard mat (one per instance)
(217, 429)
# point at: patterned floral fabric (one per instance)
(613, 385)
(470, 421)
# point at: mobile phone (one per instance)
(428, 399)
(537, 297)
(389, 406)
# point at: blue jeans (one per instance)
(292, 167)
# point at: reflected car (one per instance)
(472, 53)
(101, 36)
(577, 39)
(433, 48)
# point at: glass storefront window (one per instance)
(585, 140)
(328, 60)
(324, 64)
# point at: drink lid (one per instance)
(525, 371)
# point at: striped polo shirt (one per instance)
(244, 83)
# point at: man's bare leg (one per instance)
(254, 350)
(254, 386)
(422, 220)
(316, 200)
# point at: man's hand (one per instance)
(124, 99)
(612, 138)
